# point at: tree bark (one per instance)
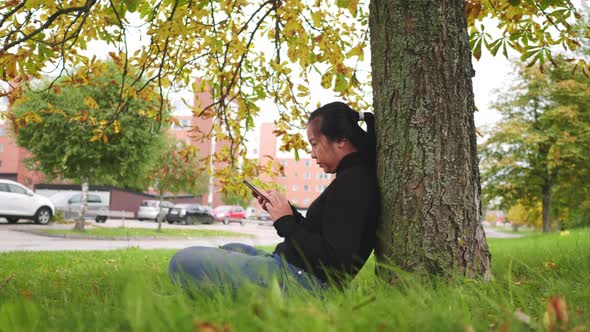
(426, 140)
(159, 217)
(79, 226)
(547, 186)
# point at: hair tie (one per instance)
(361, 116)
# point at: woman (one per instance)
(336, 237)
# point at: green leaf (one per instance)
(131, 5)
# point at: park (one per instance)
(91, 90)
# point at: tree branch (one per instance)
(85, 8)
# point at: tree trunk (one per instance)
(159, 217)
(83, 205)
(426, 141)
(547, 186)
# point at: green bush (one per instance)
(59, 217)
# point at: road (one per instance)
(12, 237)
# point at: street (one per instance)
(14, 238)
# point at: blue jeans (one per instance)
(233, 265)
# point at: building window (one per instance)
(323, 176)
(294, 201)
(2, 132)
(307, 175)
(1, 147)
(307, 162)
(306, 201)
(294, 187)
(305, 187)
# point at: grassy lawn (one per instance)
(129, 290)
(104, 232)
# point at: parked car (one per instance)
(227, 213)
(149, 209)
(257, 214)
(71, 204)
(18, 202)
(189, 214)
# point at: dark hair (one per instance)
(337, 121)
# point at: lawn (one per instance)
(129, 290)
(121, 232)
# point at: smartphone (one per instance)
(255, 190)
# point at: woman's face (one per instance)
(326, 153)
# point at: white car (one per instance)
(71, 203)
(18, 202)
(149, 209)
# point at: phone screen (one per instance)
(254, 189)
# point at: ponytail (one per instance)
(337, 120)
(371, 140)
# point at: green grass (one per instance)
(104, 232)
(129, 290)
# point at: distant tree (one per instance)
(177, 170)
(77, 131)
(539, 152)
(241, 198)
(519, 215)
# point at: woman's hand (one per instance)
(277, 205)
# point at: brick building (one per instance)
(12, 157)
(303, 179)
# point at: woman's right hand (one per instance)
(277, 205)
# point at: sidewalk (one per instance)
(15, 238)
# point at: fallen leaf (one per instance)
(556, 314)
(27, 293)
(202, 326)
(468, 328)
(549, 265)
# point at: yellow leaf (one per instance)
(116, 126)
(549, 265)
(9, 68)
(327, 80)
(303, 91)
(356, 51)
(90, 102)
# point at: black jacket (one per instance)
(338, 234)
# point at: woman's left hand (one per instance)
(278, 205)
